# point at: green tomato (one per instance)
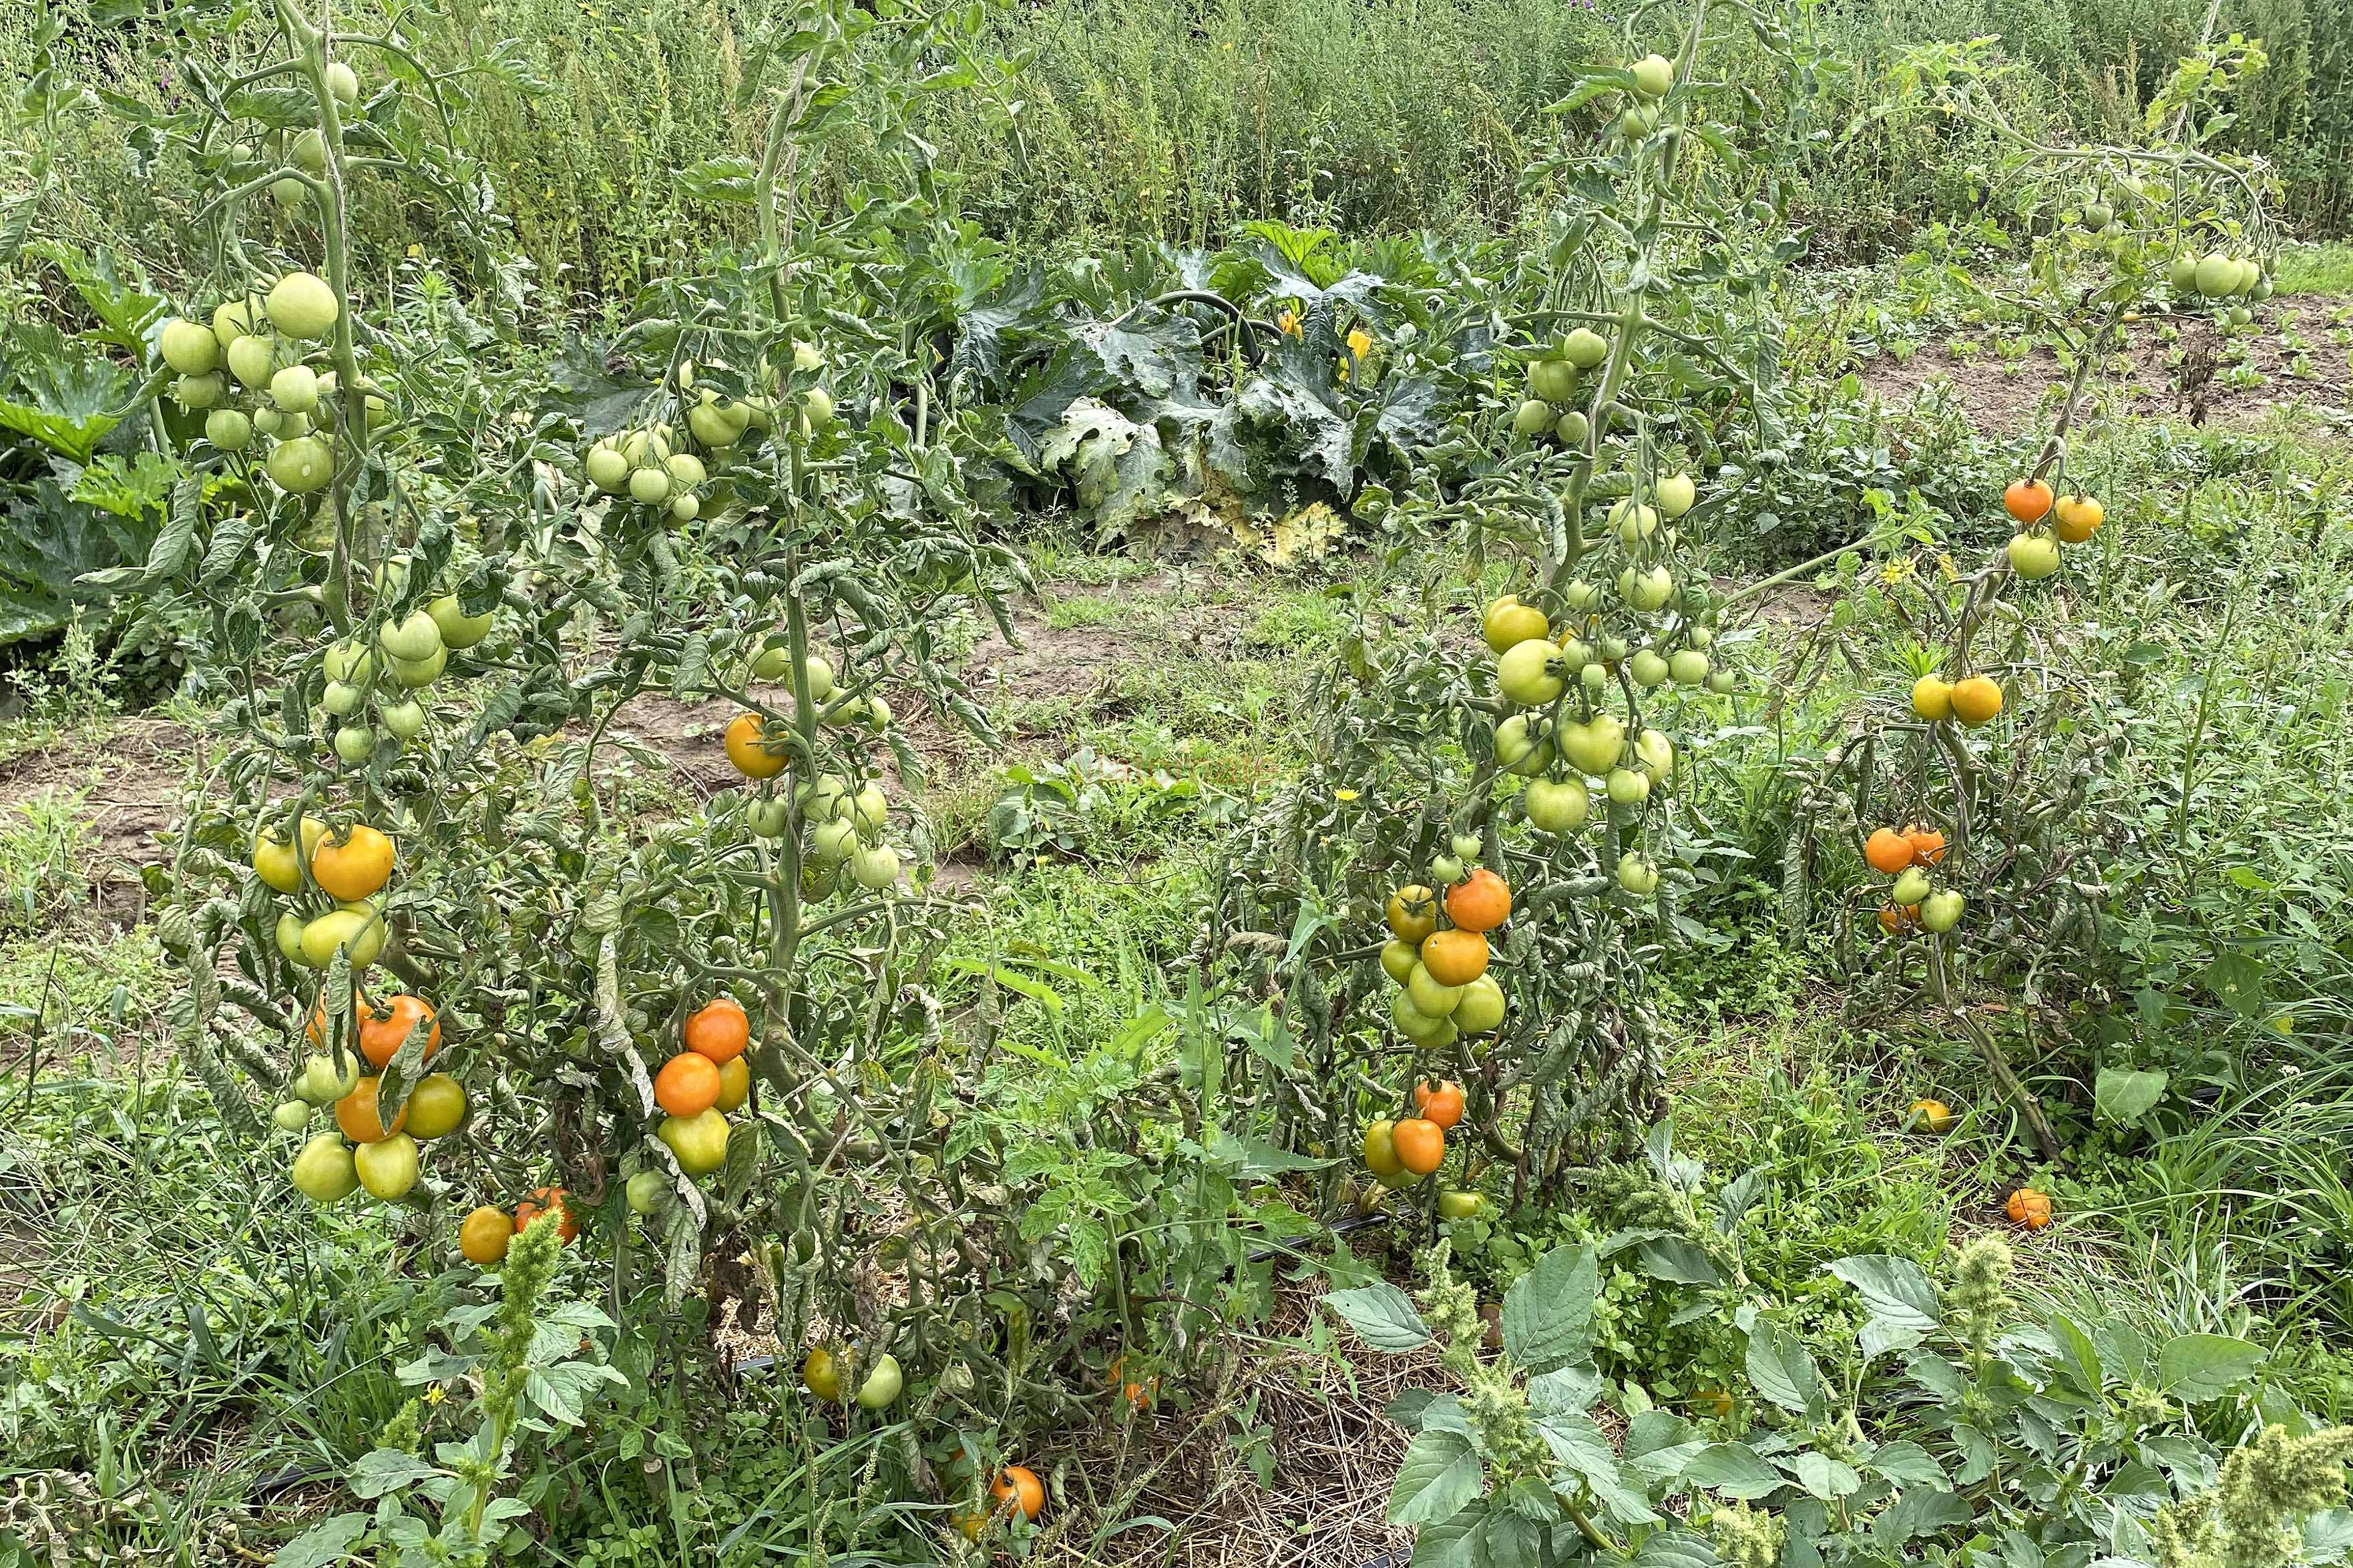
(1459, 1206)
(412, 639)
(389, 1168)
(1648, 670)
(1677, 495)
(324, 1171)
(404, 719)
(302, 465)
(228, 429)
(607, 468)
(769, 816)
(195, 392)
(1557, 805)
(875, 868)
(302, 305)
(1637, 874)
(1689, 667)
(1653, 75)
(188, 347)
(251, 359)
(354, 744)
(1585, 348)
(458, 630)
(417, 672)
(1552, 382)
(645, 1191)
(1528, 673)
(1482, 1008)
(1533, 417)
(291, 1115)
(295, 389)
(649, 487)
(1629, 786)
(880, 1388)
(1430, 999)
(1941, 912)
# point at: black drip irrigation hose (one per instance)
(281, 1481)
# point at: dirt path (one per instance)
(2302, 353)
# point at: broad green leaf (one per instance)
(1781, 1369)
(1899, 1296)
(2078, 1359)
(1548, 1310)
(1734, 1470)
(1383, 1316)
(2124, 1094)
(1919, 1512)
(383, 1470)
(1440, 1474)
(2194, 1368)
(325, 1544)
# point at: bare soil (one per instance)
(2000, 398)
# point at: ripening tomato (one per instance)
(1421, 1145)
(484, 1236)
(1480, 902)
(352, 865)
(2029, 1209)
(543, 1202)
(688, 1085)
(381, 1038)
(1412, 913)
(436, 1106)
(748, 749)
(362, 1118)
(1976, 701)
(1380, 1149)
(734, 1085)
(1927, 844)
(2079, 518)
(2028, 501)
(1454, 957)
(720, 1030)
(1438, 1102)
(1887, 850)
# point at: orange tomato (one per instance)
(688, 1085)
(719, 1030)
(354, 865)
(1021, 1487)
(1976, 701)
(1887, 850)
(1927, 844)
(381, 1037)
(1894, 919)
(1454, 957)
(2028, 501)
(1480, 902)
(2029, 1209)
(1438, 1102)
(748, 749)
(484, 1235)
(1421, 1144)
(362, 1118)
(543, 1202)
(1141, 1395)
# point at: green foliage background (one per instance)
(1139, 120)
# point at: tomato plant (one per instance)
(1981, 787)
(1500, 782)
(435, 583)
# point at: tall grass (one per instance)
(1138, 119)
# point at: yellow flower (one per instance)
(1896, 571)
(2286, 1024)
(1343, 794)
(435, 1394)
(1360, 342)
(1288, 322)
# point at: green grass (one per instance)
(2317, 268)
